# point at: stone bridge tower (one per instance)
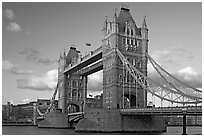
(123, 33)
(71, 93)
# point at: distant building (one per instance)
(23, 112)
(96, 102)
(190, 120)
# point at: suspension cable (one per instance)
(134, 72)
(151, 60)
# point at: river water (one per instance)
(33, 130)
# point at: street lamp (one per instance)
(184, 111)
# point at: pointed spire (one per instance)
(115, 16)
(144, 24)
(60, 57)
(60, 54)
(64, 54)
(105, 24)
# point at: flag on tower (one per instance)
(88, 44)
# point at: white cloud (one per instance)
(188, 71)
(26, 100)
(14, 27)
(33, 55)
(7, 65)
(46, 81)
(159, 54)
(190, 76)
(9, 14)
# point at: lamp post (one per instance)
(184, 111)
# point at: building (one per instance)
(120, 33)
(190, 120)
(96, 102)
(24, 112)
(123, 33)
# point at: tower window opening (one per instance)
(128, 41)
(128, 31)
(123, 29)
(131, 42)
(74, 84)
(123, 40)
(132, 32)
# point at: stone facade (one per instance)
(72, 87)
(123, 33)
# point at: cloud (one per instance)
(188, 71)
(190, 76)
(9, 14)
(95, 82)
(7, 65)
(187, 75)
(33, 55)
(14, 27)
(43, 82)
(159, 54)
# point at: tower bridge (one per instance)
(123, 57)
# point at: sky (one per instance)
(34, 35)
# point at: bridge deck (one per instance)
(162, 111)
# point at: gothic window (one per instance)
(80, 85)
(135, 42)
(123, 40)
(74, 84)
(120, 78)
(74, 94)
(128, 41)
(128, 31)
(131, 41)
(69, 94)
(123, 29)
(132, 32)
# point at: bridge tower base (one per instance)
(54, 119)
(110, 120)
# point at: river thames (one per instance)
(33, 130)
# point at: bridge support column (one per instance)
(34, 114)
(184, 121)
(85, 80)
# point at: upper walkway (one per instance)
(88, 59)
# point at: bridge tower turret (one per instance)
(144, 31)
(118, 85)
(62, 84)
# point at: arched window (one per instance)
(128, 31)
(120, 78)
(74, 84)
(131, 41)
(123, 40)
(128, 41)
(132, 32)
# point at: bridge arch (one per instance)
(128, 101)
(73, 107)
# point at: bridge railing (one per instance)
(91, 53)
(162, 108)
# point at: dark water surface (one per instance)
(33, 130)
